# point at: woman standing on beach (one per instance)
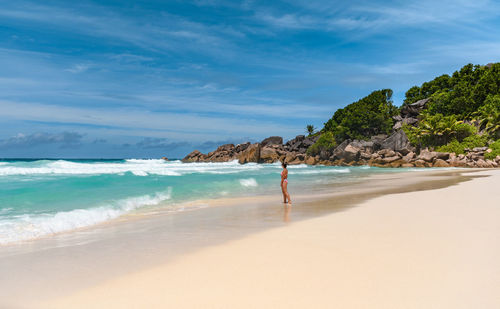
(284, 184)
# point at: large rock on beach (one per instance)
(420, 163)
(338, 152)
(351, 153)
(223, 153)
(440, 163)
(409, 157)
(398, 142)
(310, 160)
(387, 160)
(366, 146)
(377, 141)
(269, 154)
(386, 153)
(194, 156)
(300, 143)
(272, 140)
(241, 147)
(427, 156)
(250, 154)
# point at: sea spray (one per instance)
(249, 182)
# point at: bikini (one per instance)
(284, 180)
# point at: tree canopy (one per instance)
(463, 110)
(461, 94)
(369, 116)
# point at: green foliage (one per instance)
(461, 94)
(427, 89)
(463, 112)
(496, 150)
(325, 142)
(436, 130)
(488, 115)
(468, 142)
(369, 116)
(310, 129)
(413, 134)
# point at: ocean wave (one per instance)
(249, 182)
(298, 166)
(135, 166)
(321, 171)
(145, 161)
(5, 210)
(29, 226)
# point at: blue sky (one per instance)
(152, 78)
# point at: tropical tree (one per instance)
(488, 116)
(310, 129)
(369, 116)
(436, 130)
(462, 93)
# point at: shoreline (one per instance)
(194, 205)
(420, 254)
(200, 229)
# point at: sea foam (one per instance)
(135, 166)
(31, 226)
(249, 182)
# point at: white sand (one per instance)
(428, 249)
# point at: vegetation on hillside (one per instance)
(436, 130)
(495, 147)
(325, 142)
(369, 116)
(462, 93)
(463, 112)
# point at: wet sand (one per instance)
(235, 254)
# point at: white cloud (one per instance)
(290, 21)
(378, 16)
(142, 119)
(78, 68)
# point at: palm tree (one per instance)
(439, 129)
(488, 117)
(310, 129)
(490, 123)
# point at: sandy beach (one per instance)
(426, 249)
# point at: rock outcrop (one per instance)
(398, 142)
(250, 154)
(271, 153)
(194, 156)
(300, 143)
(381, 150)
(409, 114)
(272, 140)
(223, 153)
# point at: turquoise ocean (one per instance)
(43, 197)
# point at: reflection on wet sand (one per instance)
(287, 209)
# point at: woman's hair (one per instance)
(283, 164)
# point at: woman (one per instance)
(284, 184)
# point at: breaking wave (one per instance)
(30, 226)
(135, 166)
(249, 182)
